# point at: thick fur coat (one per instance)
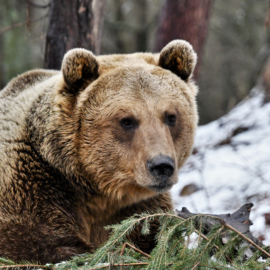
(91, 145)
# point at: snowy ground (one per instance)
(231, 164)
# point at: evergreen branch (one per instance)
(173, 249)
(208, 243)
(199, 234)
(173, 228)
(248, 240)
(163, 240)
(113, 243)
(206, 238)
(6, 262)
(177, 244)
(221, 266)
(266, 264)
(241, 254)
(224, 250)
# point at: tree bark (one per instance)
(184, 19)
(98, 11)
(264, 80)
(141, 35)
(72, 24)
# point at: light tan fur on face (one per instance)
(145, 94)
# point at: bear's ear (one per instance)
(179, 57)
(79, 68)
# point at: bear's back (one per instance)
(16, 100)
(25, 81)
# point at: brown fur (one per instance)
(68, 168)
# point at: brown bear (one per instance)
(91, 145)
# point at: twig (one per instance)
(195, 266)
(124, 264)
(199, 236)
(11, 27)
(136, 249)
(122, 252)
(123, 249)
(37, 5)
(120, 264)
(24, 265)
(3, 30)
(28, 20)
(267, 19)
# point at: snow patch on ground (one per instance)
(231, 164)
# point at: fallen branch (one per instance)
(238, 222)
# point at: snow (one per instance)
(231, 164)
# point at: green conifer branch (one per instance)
(175, 249)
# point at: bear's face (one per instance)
(137, 123)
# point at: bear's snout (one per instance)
(161, 167)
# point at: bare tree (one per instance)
(72, 24)
(184, 19)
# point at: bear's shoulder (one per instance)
(26, 80)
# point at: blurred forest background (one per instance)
(236, 46)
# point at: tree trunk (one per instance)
(184, 19)
(72, 24)
(264, 80)
(141, 35)
(98, 11)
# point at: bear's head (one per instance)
(126, 123)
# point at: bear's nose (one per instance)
(161, 167)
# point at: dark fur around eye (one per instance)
(170, 120)
(128, 123)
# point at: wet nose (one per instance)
(161, 167)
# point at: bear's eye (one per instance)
(171, 119)
(127, 123)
